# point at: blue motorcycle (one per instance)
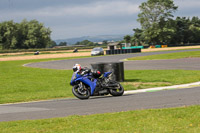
(95, 84)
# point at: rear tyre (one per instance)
(116, 91)
(81, 93)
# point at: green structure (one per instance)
(132, 47)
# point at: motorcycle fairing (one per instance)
(85, 80)
(106, 74)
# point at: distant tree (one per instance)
(105, 42)
(27, 34)
(91, 44)
(194, 29)
(182, 30)
(38, 36)
(86, 43)
(159, 27)
(52, 44)
(62, 44)
(165, 31)
(95, 44)
(8, 34)
(187, 30)
(138, 37)
(127, 38)
(77, 43)
(153, 18)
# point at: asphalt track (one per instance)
(185, 64)
(149, 100)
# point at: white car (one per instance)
(97, 51)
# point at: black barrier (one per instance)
(107, 52)
(112, 51)
(123, 51)
(115, 51)
(120, 51)
(117, 69)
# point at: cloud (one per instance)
(185, 4)
(97, 9)
(187, 8)
(92, 9)
(70, 18)
(101, 28)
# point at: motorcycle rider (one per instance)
(78, 69)
(82, 71)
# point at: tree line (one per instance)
(30, 34)
(24, 35)
(158, 25)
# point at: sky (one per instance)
(76, 18)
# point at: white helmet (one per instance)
(77, 68)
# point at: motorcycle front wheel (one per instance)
(116, 91)
(81, 93)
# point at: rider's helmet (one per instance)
(77, 68)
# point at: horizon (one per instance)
(92, 36)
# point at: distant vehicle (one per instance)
(75, 50)
(37, 53)
(97, 51)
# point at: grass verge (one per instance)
(181, 120)
(41, 53)
(20, 84)
(179, 55)
(142, 79)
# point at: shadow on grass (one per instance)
(131, 80)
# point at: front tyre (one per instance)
(81, 92)
(118, 90)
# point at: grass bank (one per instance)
(19, 84)
(41, 53)
(179, 55)
(142, 79)
(181, 120)
(45, 49)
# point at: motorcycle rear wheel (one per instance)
(78, 94)
(116, 91)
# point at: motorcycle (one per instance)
(93, 84)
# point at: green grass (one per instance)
(19, 84)
(141, 79)
(178, 55)
(173, 120)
